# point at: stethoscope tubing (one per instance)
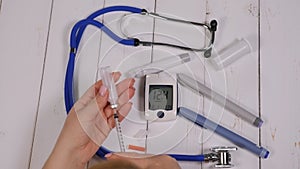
(76, 35)
(101, 12)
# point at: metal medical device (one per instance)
(75, 37)
(78, 30)
(160, 99)
(207, 50)
(222, 131)
(220, 155)
(108, 81)
(79, 27)
(200, 88)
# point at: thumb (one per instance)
(140, 160)
(102, 97)
(132, 155)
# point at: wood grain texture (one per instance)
(238, 81)
(34, 48)
(23, 33)
(188, 134)
(0, 5)
(123, 58)
(280, 85)
(52, 111)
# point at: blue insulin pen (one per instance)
(222, 131)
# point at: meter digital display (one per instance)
(160, 97)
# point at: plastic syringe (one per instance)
(161, 65)
(108, 82)
(200, 88)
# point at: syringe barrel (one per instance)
(160, 65)
(231, 53)
(108, 81)
(119, 132)
(224, 132)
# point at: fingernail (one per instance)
(108, 155)
(133, 81)
(103, 90)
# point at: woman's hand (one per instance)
(88, 124)
(145, 161)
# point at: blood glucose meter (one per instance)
(160, 97)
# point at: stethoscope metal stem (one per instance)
(79, 28)
(212, 28)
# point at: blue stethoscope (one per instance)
(75, 37)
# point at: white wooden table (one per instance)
(34, 38)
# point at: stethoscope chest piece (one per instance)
(222, 156)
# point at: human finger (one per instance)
(120, 163)
(92, 92)
(93, 122)
(125, 96)
(123, 112)
(97, 86)
(125, 84)
(119, 155)
(108, 111)
(123, 99)
(140, 160)
(102, 98)
(146, 161)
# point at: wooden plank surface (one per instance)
(280, 85)
(32, 70)
(238, 81)
(52, 111)
(123, 58)
(185, 139)
(126, 58)
(23, 37)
